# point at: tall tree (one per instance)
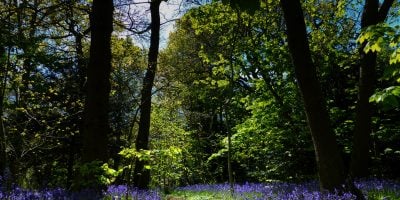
(96, 126)
(3, 153)
(141, 174)
(75, 24)
(3, 72)
(329, 161)
(372, 15)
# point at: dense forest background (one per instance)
(84, 104)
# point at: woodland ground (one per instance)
(372, 189)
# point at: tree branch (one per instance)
(384, 10)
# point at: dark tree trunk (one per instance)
(5, 172)
(372, 15)
(80, 61)
(3, 153)
(96, 126)
(329, 161)
(141, 177)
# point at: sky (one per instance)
(170, 11)
(173, 9)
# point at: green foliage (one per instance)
(168, 149)
(109, 175)
(248, 63)
(385, 39)
(249, 6)
(387, 98)
(93, 174)
(382, 36)
(144, 155)
(264, 148)
(383, 194)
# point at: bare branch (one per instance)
(131, 3)
(131, 29)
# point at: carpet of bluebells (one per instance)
(278, 190)
(292, 191)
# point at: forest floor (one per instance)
(205, 195)
(373, 189)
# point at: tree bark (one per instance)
(329, 161)
(360, 156)
(3, 153)
(141, 177)
(96, 126)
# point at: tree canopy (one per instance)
(254, 91)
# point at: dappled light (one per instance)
(199, 99)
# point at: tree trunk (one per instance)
(5, 172)
(81, 62)
(96, 126)
(3, 82)
(372, 15)
(141, 177)
(329, 161)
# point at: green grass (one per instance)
(383, 195)
(205, 195)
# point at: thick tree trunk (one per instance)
(360, 156)
(96, 127)
(141, 177)
(329, 161)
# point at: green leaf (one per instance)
(375, 47)
(395, 57)
(364, 37)
(361, 39)
(222, 83)
(396, 91)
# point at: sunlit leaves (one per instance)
(379, 37)
(127, 56)
(387, 98)
(395, 57)
(109, 174)
(383, 38)
(341, 8)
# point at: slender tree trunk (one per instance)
(5, 172)
(329, 161)
(141, 177)
(3, 153)
(230, 170)
(81, 62)
(81, 65)
(360, 156)
(96, 126)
